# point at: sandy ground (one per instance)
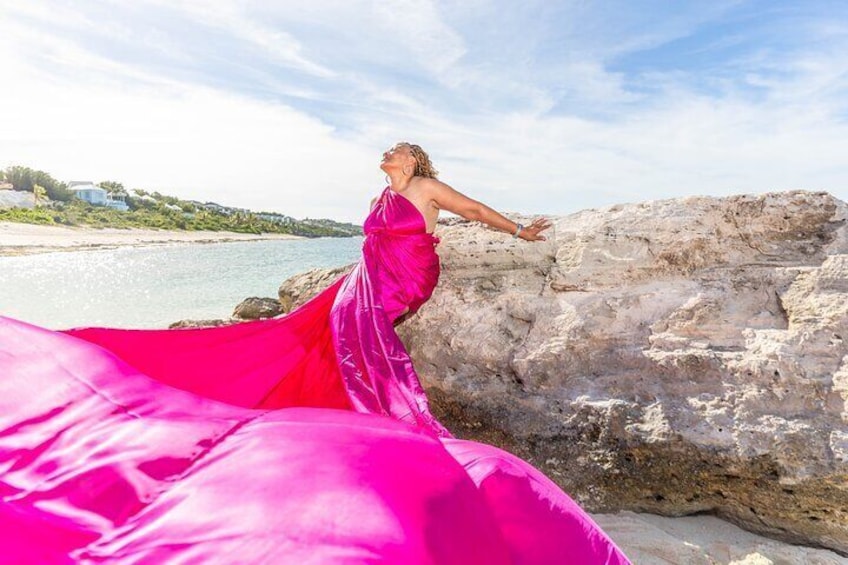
(25, 239)
(654, 540)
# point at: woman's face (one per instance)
(397, 157)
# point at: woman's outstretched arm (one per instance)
(446, 198)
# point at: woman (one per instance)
(412, 174)
(397, 273)
(322, 449)
(339, 350)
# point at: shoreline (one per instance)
(18, 239)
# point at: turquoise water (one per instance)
(150, 287)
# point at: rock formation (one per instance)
(183, 324)
(16, 199)
(298, 289)
(672, 357)
(255, 308)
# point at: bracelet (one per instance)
(517, 230)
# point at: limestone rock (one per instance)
(255, 308)
(200, 323)
(674, 357)
(702, 540)
(16, 199)
(298, 289)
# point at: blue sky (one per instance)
(533, 107)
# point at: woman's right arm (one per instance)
(454, 201)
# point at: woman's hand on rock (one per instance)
(531, 232)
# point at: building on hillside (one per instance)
(88, 192)
(6, 186)
(215, 207)
(97, 196)
(117, 201)
(277, 218)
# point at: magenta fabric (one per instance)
(302, 439)
(274, 363)
(399, 269)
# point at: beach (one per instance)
(27, 239)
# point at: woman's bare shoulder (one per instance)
(431, 187)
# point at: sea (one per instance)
(154, 286)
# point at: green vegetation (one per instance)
(151, 211)
(24, 178)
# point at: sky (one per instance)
(544, 107)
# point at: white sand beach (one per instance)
(26, 239)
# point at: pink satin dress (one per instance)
(398, 271)
(300, 439)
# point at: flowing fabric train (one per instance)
(306, 438)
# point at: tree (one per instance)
(20, 177)
(113, 187)
(25, 179)
(40, 194)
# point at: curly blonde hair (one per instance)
(423, 165)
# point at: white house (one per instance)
(277, 218)
(89, 192)
(117, 201)
(93, 194)
(215, 207)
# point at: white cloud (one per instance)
(416, 27)
(508, 131)
(231, 17)
(178, 138)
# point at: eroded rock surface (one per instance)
(298, 289)
(648, 539)
(671, 357)
(183, 324)
(256, 308)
